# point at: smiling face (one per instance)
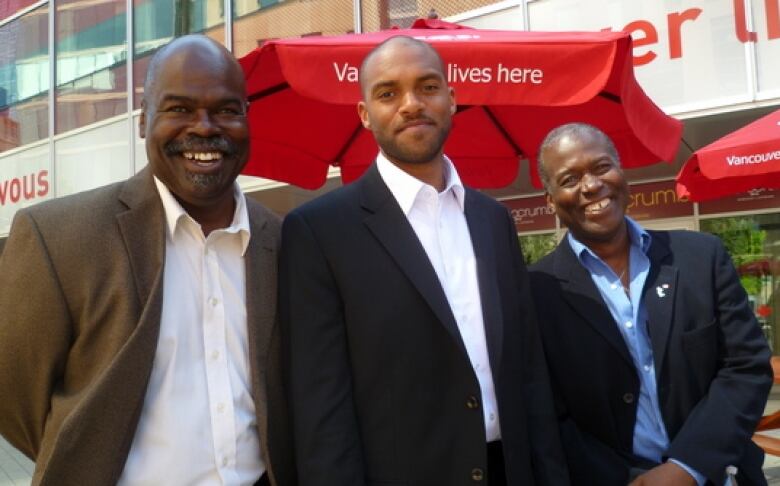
(194, 123)
(406, 101)
(586, 186)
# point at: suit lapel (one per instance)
(142, 228)
(659, 295)
(583, 296)
(145, 249)
(389, 225)
(259, 261)
(482, 240)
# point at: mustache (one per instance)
(194, 143)
(412, 121)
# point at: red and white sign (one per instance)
(531, 213)
(25, 180)
(689, 54)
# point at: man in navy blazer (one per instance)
(659, 369)
(414, 357)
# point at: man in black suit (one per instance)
(659, 369)
(414, 356)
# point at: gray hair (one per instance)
(575, 130)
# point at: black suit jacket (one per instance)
(379, 379)
(711, 360)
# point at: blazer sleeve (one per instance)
(35, 335)
(720, 426)
(549, 461)
(319, 384)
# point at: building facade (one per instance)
(71, 81)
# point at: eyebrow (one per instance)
(390, 83)
(171, 98)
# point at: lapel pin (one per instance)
(661, 290)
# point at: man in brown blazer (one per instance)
(138, 342)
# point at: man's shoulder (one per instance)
(545, 264)
(336, 200)
(83, 206)
(258, 210)
(482, 201)
(685, 240)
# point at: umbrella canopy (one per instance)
(746, 159)
(511, 87)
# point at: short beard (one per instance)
(397, 152)
(203, 181)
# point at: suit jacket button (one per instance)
(628, 398)
(477, 474)
(472, 402)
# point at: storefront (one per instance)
(708, 62)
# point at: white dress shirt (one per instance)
(198, 424)
(439, 222)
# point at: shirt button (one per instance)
(472, 403)
(629, 324)
(215, 355)
(224, 461)
(492, 417)
(476, 366)
(628, 398)
(213, 301)
(477, 474)
(647, 367)
(614, 286)
(221, 407)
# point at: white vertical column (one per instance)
(52, 99)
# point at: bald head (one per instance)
(385, 46)
(190, 52)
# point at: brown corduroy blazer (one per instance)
(81, 291)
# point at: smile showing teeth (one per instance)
(596, 206)
(201, 157)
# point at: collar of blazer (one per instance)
(391, 228)
(582, 294)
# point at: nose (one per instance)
(411, 103)
(203, 124)
(591, 183)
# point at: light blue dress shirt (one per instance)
(650, 438)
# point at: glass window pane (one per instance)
(91, 55)
(754, 244)
(10, 7)
(259, 20)
(24, 79)
(156, 22)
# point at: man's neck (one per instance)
(213, 217)
(431, 173)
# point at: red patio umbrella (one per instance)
(746, 159)
(512, 87)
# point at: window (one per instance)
(754, 244)
(24, 79)
(91, 56)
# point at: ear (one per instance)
(363, 114)
(453, 103)
(142, 121)
(550, 202)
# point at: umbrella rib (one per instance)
(337, 160)
(269, 91)
(610, 96)
(502, 130)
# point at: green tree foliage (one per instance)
(536, 246)
(744, 241)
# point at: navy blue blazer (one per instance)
(711, 359)
(381, 387)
